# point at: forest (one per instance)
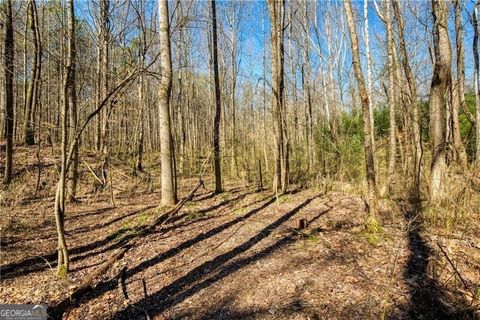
(260, 159)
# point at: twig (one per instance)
(455, 269)
(93, 172)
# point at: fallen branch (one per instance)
(93, 172)
(455, 269)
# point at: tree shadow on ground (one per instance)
(210, 271)
(103, 287)
(116, 239)
(428, 300)
(225, 309)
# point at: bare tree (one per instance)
(458, 86)
(9, 51)
(367, 125)
(63, 255)
(33, 86)
(476, 79)
(218, 106)
(392, 92)
(441, 81)
(277, 11)
(72, 104)
(412, 101)
(168, 191)
(369, 68)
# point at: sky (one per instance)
(253, 36)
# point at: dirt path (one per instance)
(233, 256)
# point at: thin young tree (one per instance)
(392, 92)
(218, 106)
(441, 82)
(413, 106)
(142, 51)
(367, 125)
(369, 67)
(63, 262)
(166, 157)
(276, 10)
(72, 105)
(458, 84)
(32, 91)
(476, 79)
(9, 52)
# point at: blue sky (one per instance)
(254, 28)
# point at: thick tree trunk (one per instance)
(367, 125)
(9, 52)
(218, 106)
(166, 156)
(441, 82)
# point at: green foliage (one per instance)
(345, 156)
(466, 128)
(373, 231)
(373, 226)
(382, 122)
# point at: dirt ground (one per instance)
(240, 255)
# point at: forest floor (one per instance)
(240, 255)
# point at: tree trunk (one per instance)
(367, 125)
(63, 256)
(416, 138)
(476, 82)
(392, 92)
(441, 82)
(276, 10)
(218, 106)
(9, 52)
(308, 94)
(72, 102)
(166, 157)
(369, 71)
(458, 96)
(141, 84)
(31, 97)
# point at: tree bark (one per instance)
(441, 82)
(413, 106)
(458, 96)
(63, 255)
(276, 11)
(392, 92)
(166, 156)
(367, 125)
(369, 71)
(476, 81)
(9, 52)
(72, 102)
(218, 106)
(31, 97)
